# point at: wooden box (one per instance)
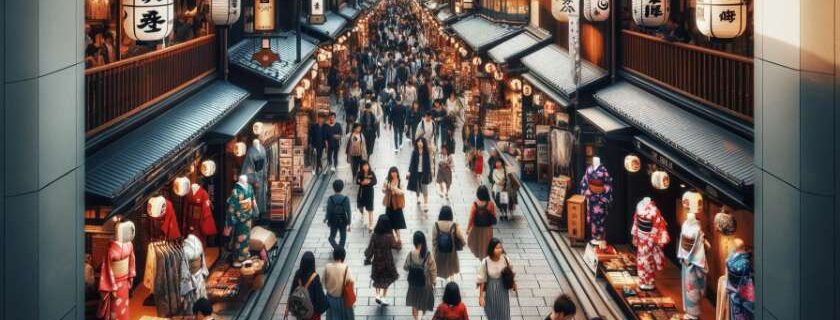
(576, 219)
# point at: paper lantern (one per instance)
(239, 149)
(313, 73)
(692, 201)
(299, 92)
(225, 12)
(490, 67)
(316, 12)
(498, 75)
(264, 15)
(148, 20)
(516, 84)
(632, 163)
(650, 13)
(156, 206)
(560, 9)
(208, 168)
(721, 19)
(257, 128)
(538, 99)
(660, 180)
(527, 90)
(305, 84)
(596, 10)
(476, 61)
(181, 186)
(463, 51)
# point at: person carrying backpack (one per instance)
(481, 222)
(306, 298)
(422, 270)
(447, 240)
(338, 215)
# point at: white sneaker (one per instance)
(384, 301)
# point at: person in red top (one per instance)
(452, 308)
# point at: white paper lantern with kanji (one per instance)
(650, 13)
(596, 10)
(660, 180)
(527, 90)
(148, 20)
(560, 9)
(632, 163)
(208, 168)
(721, 19)
(516, 84)
(476, 61)
(490, 67)
(181, 186)
(225, 12)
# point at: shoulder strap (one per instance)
(311, 278)
(346, 268)
(452, 228)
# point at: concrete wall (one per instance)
(43, 152)
(796, 135)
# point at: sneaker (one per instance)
(384, 302)
(378, 301)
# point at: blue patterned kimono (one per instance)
(241, 212)
(739, 286)
(597, 202)
(692, 255)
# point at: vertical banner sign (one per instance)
(316, 12)
(574, 41)
(264, 15)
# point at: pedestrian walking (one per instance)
(420, 173)
(340, 286)
(480, 224)
(332, 134)
(444, 173)
(316, 141)
(564, 309)
(452, 308)
(420, 265)
(413, 120)
(495, 280)
(498, 183)
(394, 201)
(366, 180)
(356, 149)
(381, 259)
(447, 240)
(338, 215)
(426, 129)
(370, 127)
(308, 278)
(398, 121)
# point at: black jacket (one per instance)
(316, 136)
(398, 115)
(330, 133)
(416, 178)
(338, 200)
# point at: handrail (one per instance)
(183, 45)
(722, 54)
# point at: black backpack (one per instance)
(483, 217)
(417, 274)
(336, 210)
(445, 242)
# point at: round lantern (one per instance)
(305, 83)
(313, 73)
(596, 10)
(538, 100)
(498, 75)
(692, 201)
(148, 20)
(721, 19)
(560, 9)
(257, 128)
(208, 168)
(660, 180)
(476, 61)
(516, 84)
(632, 163)
(299, 92)
(181, 186)
(463, 51)
(225, 12)
(650, 13)
(490, 67)
(239, 149)
(527, 90)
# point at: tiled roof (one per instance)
(279, 71)
(330, 28)
(479, 32)
(349, 12)
(552, 65)
(444, 14)
(512, 46)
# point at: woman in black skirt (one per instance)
(393, 206)
(366, 179)
(420, 173)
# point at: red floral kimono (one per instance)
(199, 218)
(650, 235)
(167, 223)
(115, 281)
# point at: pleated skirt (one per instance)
(478, 240)
(420, 298)
(337, 310)
(496, 300)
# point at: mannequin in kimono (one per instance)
(740, 289)
(199, 218)
(163, 219)
(193, 272)
(691, 253)
(254, 167)
(241, 212)
(649, 234)
(597, 188)
(117, 273)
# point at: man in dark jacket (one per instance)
(398, 117)
(338, 215)
(316, 141)
(424, 96)
(370, 127)
(332, 134)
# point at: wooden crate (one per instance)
(576, 220)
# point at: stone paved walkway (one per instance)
(538, 284)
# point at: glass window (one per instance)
(506, 10)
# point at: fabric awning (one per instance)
(480, 33)
(512, 46)
(280, 71)
(545, 89)
(124, 162)
(604, 121)
(234, 122)
(348, 12)
(720, 151)
(553, 66)
(327, 31)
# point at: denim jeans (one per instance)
(398, 136)
(342, 237)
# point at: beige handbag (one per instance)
(262, 238)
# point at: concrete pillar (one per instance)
(43, 154)
(797, 130)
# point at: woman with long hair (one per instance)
(420, 172)
(452, 308)
(307, 276)
(379, 255)
(393, 205)
(366, 179)
(492, 293)
(447, 240)
(444, 172)
(420, 265)
(480, 223)
(498, 181)
(356, 149)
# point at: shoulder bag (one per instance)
(349, 292)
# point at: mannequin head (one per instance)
(125, 232)
(156, 207)
(738, 245)
(243, 179)
(596, 162)
(257, 143)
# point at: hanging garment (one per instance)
(562, 142)
(199, 218)
(166, 226)
(597, 188)
(240, 214)
(739, 286)
(193, 273)
(692, 255)
(254, 167)
(117, 273)
(650, 234)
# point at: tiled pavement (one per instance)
(538, 284)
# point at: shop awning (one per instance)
(235, 121)
(444, 14)
(720, 151)
(604, 121)
(513, 46)
(545, 89)
(480, 33)
(348, 12)
(280, 71)
(124, 163)
(327, 31)
(553, 66)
